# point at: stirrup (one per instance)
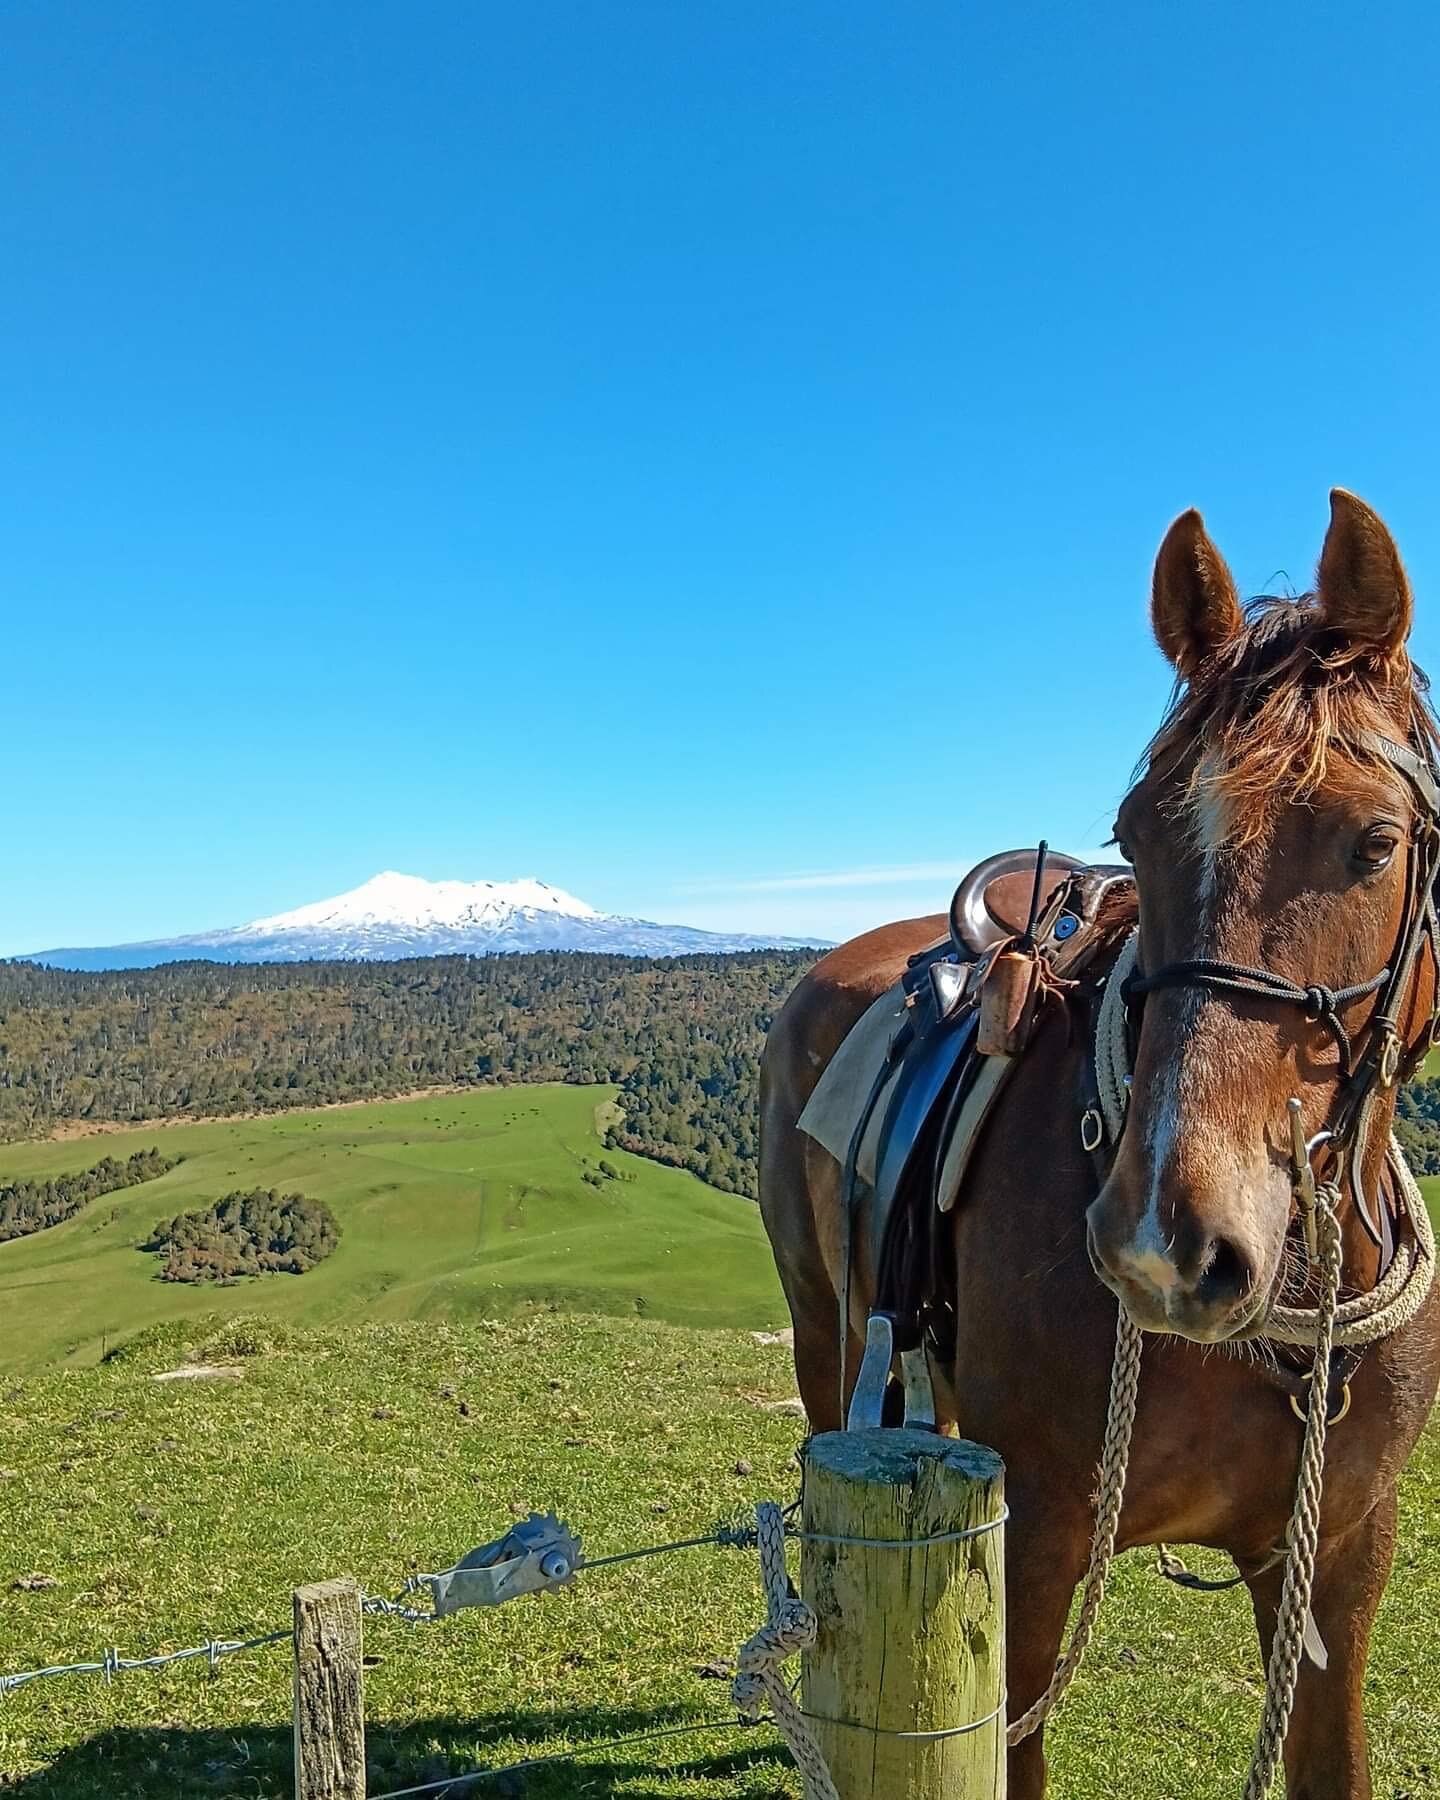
(919, 1389)
(867, 1403)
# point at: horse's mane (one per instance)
(1279, 711)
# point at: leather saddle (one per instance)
(937, 1088)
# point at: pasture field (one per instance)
(167, 1512)
(450, 1207)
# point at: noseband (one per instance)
(1377, 1067)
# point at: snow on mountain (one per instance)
(394, 915)
(411, 901)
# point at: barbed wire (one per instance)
(724, 1535)
(110, 1663)
(375, 1607)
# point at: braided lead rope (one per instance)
(1288, 1646)
(1114, 1466)
(1391, 1304)
(1394, 1301)
(1112, 1048)
(1112, 1068)
(789, 1627)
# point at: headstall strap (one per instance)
(1384, 1056)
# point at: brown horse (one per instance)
(1265, 832)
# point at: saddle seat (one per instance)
(993, 901)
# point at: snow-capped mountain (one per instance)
(403, 915)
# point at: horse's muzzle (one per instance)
(1205, 1285)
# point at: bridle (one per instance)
(1366, 1076)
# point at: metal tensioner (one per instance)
(537, 1554)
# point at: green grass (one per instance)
(166, 1512)
(450, 1208)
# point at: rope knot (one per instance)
(1318, 1003)
(749, 1692)
(795, 1628)
(791, 1630)
(789, 1626)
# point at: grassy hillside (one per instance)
(167, 1512)
(449, 1207)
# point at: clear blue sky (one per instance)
(696, 453)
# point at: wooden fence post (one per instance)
(329, 1707)
(910, 1640)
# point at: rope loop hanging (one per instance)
(789, 1627)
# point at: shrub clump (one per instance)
(29, 1206)
(263, 1232)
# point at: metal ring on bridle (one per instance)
(1332, 1418)
(1092, 1129)
(1390, 1059)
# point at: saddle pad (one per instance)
(832, 1110)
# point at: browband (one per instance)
(1416, 769)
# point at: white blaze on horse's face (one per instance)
(1189, 1229)
(1153, 1249)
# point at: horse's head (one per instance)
(1270, 831)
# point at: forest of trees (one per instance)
(263, 1232)
(1417, 1126)
(681, 1038)
(27, 1206)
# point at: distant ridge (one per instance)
(394, 915)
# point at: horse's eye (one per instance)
(1375, 848)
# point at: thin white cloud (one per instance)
(895, 875)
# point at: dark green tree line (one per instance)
(27, 1206)
(680, 1037)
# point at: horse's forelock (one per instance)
(1279, 713)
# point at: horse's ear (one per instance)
(1362, 586)
(1193, 604)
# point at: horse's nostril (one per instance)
(1228, 1274)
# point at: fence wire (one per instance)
(453, 1783)
(111, 1663)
